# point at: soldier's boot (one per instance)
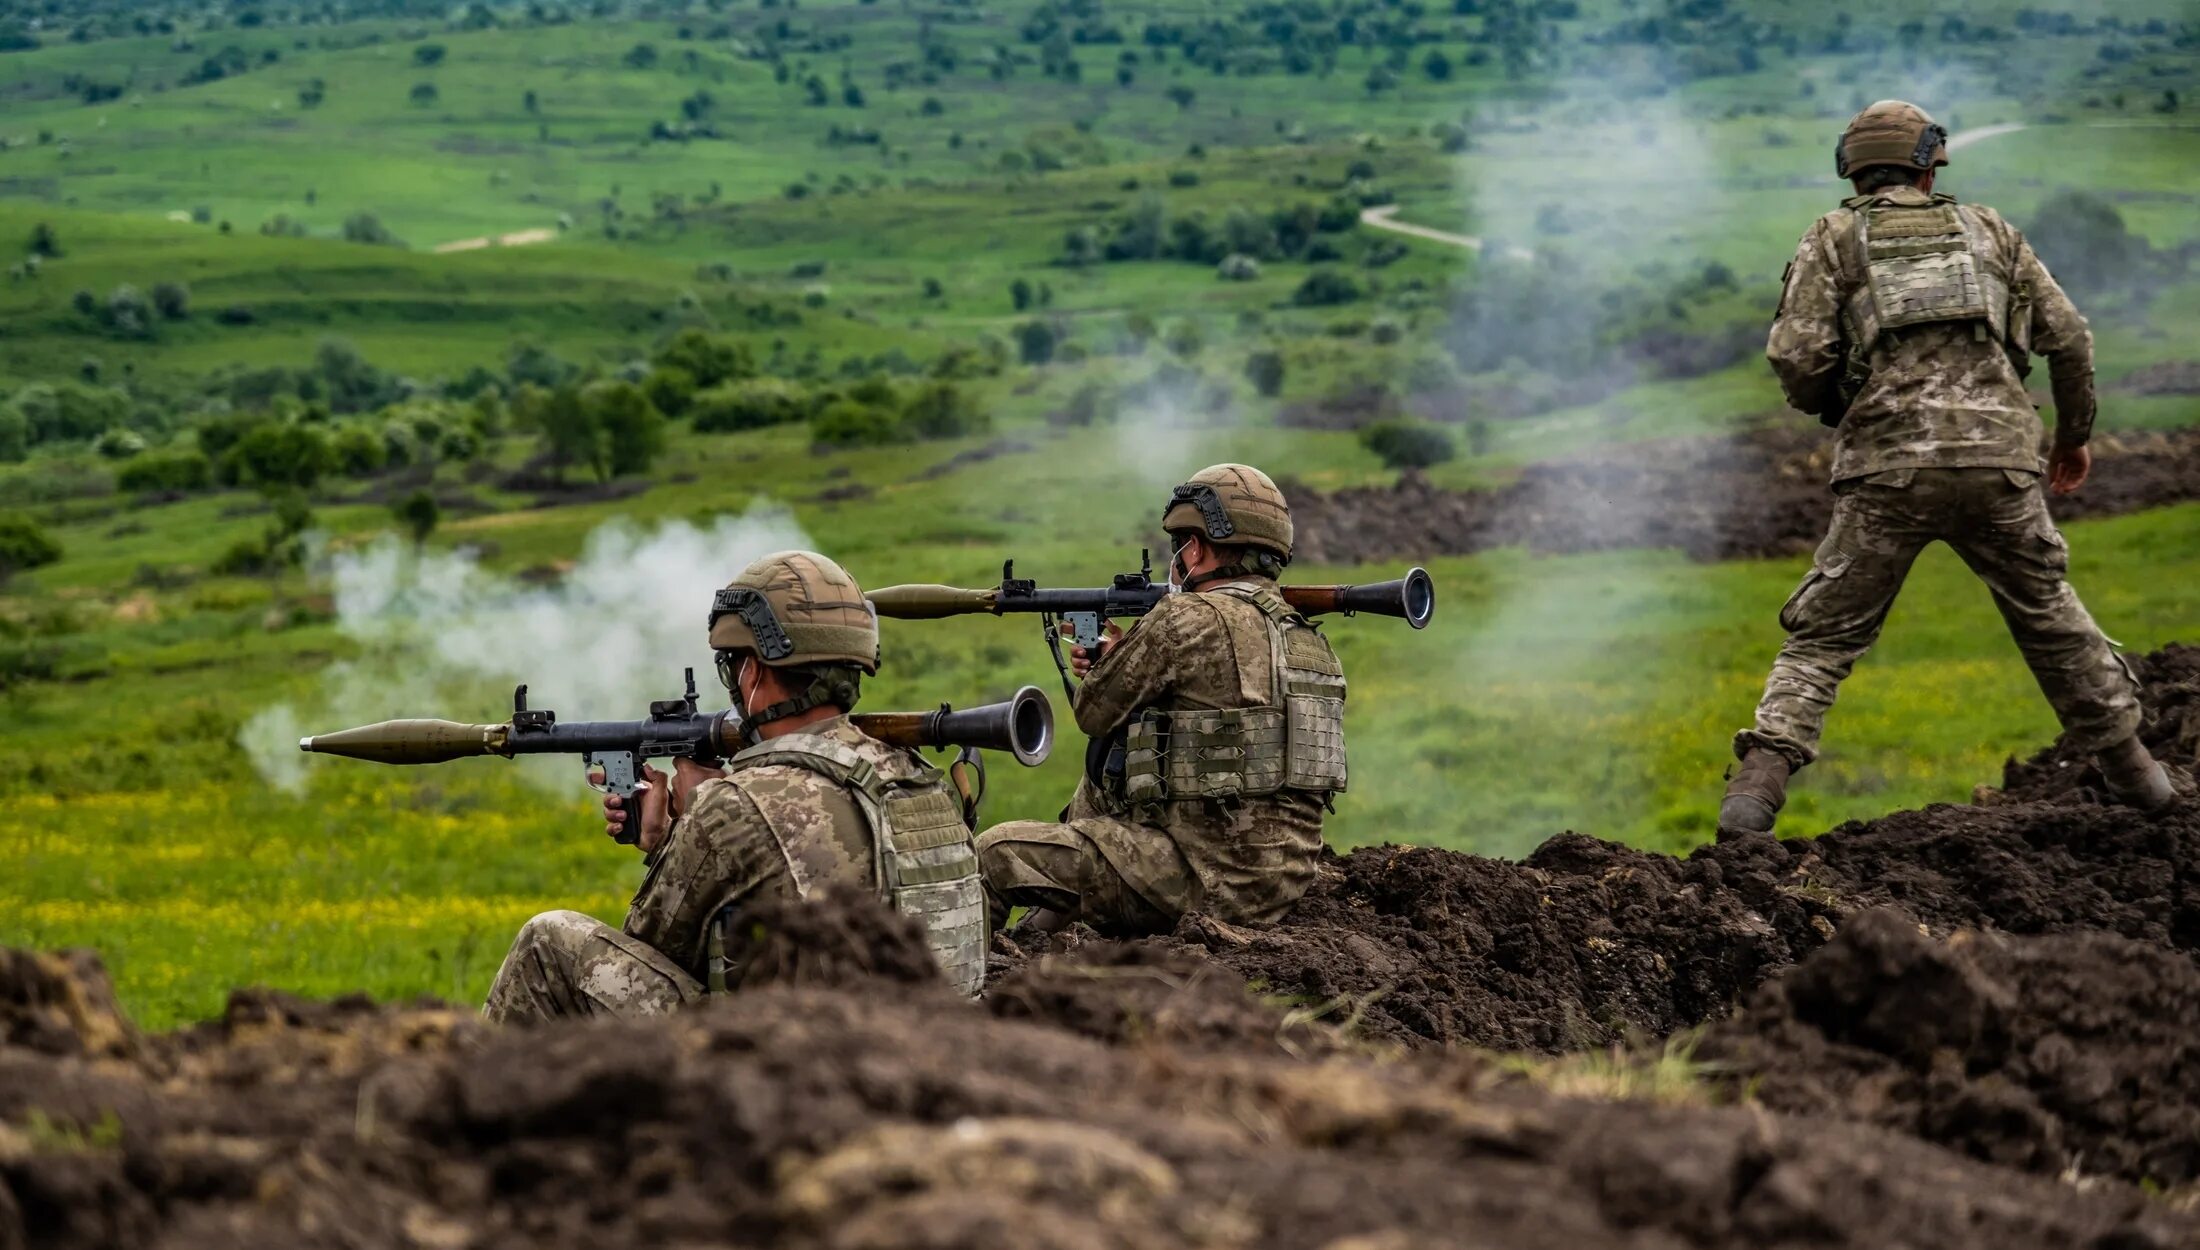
(2134, 778)
(1755, 795)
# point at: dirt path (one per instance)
(516, 238)
(1385, 217)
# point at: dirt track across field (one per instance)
(1962, 1027)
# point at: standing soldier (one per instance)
(811, 802)
(1907, 322)
(1217, 728)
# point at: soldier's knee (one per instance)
(562, 929)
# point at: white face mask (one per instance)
(1178, 573)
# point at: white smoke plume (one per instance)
(440, 636)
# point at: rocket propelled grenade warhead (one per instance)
(410, 741)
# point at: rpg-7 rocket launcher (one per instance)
(1086, 610)
(1023, 726)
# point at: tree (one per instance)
(708, 358)
(368, 228)
(1265, 370)
(358, 451)
(569, 430)
(423, 94)
(750, 404)
(276, 454)
(419, 514)
(633, 429)
(128, 313)
(1035, 342)
(15, 434)
(944, 410)
(1436, 65)
(1402, 444)
(1182, 96)
(853, 423)
(1019, 294)
(44, 242)
(531, 102)
(1324, 287)
(176, 471)
(172, 300)
(670, 388)
(24, 545)
(428, 54)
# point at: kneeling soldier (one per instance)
(1217, 727)
(811, 802)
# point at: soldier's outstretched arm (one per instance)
(1805, 345)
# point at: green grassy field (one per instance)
(1594, 693)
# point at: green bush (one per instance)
(359, 451)
(750, 404)
(853, 423)
(1402, 444)
(671, 388)
(633, 429)
(944, 410)
(275, 454)
(1325, 287)
(708, 358)
(1265, 370)
(24, 545)
(119, 444)
(165, 471)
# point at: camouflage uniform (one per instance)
(1137, 870)
(1939, 441)
(820, 805)
(726, 851)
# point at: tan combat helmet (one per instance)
(796, 608)
(1231, 505)
(1891, 132)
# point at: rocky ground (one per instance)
(1965, 1026)
(1759, 493)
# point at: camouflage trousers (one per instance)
(1060, 865)
(566, 964)
(1997, 521)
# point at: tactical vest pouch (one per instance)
(1204, 753)
(925, 860)
(1314, 712)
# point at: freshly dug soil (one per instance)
(2171, 731)
(889, 1115)
(2078, 1052)
(1759, 493)
(2013, 982)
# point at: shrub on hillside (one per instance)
(172, 300)
(277, 454)
(119, 444)
(1238, 267)
(165, 471)
(708, 358)
(853, 423)
(24, 545)
(671, 388)
(749, 404)
(944, 410)
(1325, 287)
(1402, 444)
(633, 429)
(15, 434)
(368, 228)
(1265, 370)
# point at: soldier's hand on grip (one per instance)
(1081, 659)
(651, 795)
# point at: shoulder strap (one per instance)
(841, 763)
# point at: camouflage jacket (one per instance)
(1939, 395)
(1249, 861)
(723, 849)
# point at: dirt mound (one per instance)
(2170, 679)
(1122, 992)
(836, 938)
(2073, 1053)
(1759, 493)
(881, 1116)
(2170, 377)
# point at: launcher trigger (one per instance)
(1084, 628)
(620, 777)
